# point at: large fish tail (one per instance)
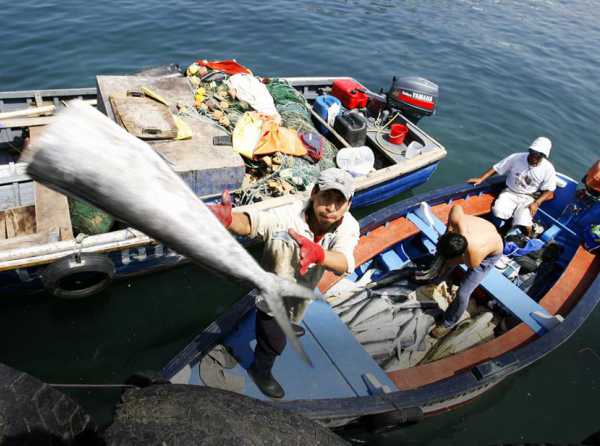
(274, 292)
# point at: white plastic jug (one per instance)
(358, 161)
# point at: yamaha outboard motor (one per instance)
(413, 96)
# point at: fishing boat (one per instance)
(42, 247)
(350, 385)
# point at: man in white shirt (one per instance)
(530, 180)
(302, 241)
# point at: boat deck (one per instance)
(340, 363)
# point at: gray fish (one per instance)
(396, 291)
(468, 333)
(386, 333)
(406, 335)
(402, 317)
(372, 309)
(383, 348)
(385, 317)
(352, 300)
(423, 325)
(400, 275)
(86, 155)
(348, 315)
(413, 304)
(376, 324)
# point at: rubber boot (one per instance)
(260, 372)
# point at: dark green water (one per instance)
(508, 72)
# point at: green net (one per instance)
(290, 174)
(88, 219)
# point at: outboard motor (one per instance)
(413, 96)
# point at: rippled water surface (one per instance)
(508, 72)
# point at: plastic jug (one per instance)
(327, 107)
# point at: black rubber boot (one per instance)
(265, 382)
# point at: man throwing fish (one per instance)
(530, 180)
(475, 242)
(302, 240)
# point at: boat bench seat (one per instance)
(495, 283)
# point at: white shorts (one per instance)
(510, 204)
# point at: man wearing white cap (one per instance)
(530, 180)
(302, 241)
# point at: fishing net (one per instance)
(274, 175)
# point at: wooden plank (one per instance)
(26, 122)
(39, 102)
(24, 241)
(52, 212)
(19, 221)
(51, 208)
(2, 226)
(32, 111)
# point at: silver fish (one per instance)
(350, 301)
(379, 350)
(385, 317)
(385, 333)
(373, 308)
(422, 328)
(412, 304)
(467, 334)
(347, 315)
(393, 277)
(86, 155)
(396, 292)
(406, 335)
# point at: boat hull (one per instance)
(575, 295)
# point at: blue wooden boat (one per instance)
(347, 387)
(39, 255)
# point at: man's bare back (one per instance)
(482, 237)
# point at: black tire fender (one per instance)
(97, 269)
(33, 412)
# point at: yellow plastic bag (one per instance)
(259, 134)
(246, 134)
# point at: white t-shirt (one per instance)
(281, 254)
(523, 178)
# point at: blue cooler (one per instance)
(321, 106)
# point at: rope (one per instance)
(93, 386)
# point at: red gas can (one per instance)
(350, 92)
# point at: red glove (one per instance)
(223, 211)
(310, 252)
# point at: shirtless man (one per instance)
(476, 243)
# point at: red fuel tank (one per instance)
(350, 93)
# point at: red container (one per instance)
(350, 93)
(397, 133)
